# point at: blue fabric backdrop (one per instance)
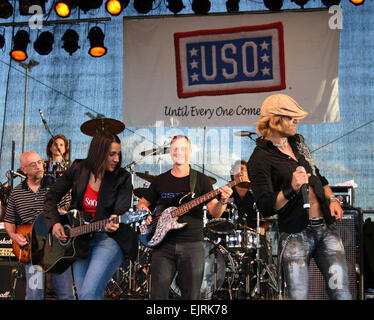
(66, 87)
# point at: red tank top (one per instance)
(90, 201)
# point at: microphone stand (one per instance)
(63, 163)
(258, 246)
(132, 266)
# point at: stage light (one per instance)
(175, 6)
(201, 6)
(86, 5)
(96, 37)
(300, 3)
(70, 39)
(6, 9)
(329, 3)
(2, 41)
(43, 45)
(115, 7)
(143, 6)
(21, 40)
(357, 2)
(273, 5)
(232, 5)
(24, 6)
(63, 8)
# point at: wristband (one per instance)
(289, 193)
(334, 199)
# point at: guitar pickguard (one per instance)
(165, 223)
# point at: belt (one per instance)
(315, 222)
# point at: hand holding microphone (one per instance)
(300, 182)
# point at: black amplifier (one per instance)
(6, 250)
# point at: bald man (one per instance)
(25, 203)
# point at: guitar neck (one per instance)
(91, 227)
(183, 209)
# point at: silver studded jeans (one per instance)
(325, 245)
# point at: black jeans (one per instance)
(325, 245)
(186, 258)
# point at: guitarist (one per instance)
(101, 189)
(182, 250)
(25, 203)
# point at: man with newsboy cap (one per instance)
(286, 182)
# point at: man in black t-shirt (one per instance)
(181, 250)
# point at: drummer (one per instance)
(242, 198)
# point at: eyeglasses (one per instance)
(35, 163)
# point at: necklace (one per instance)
(281, 145)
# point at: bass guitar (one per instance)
(53, 255)
(167, 220)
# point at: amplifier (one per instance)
(349, 230)
(6, 250)
(345, 195)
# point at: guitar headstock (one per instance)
(132, 216)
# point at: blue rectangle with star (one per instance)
(229, 61)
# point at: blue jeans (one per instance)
(325, 245)
(35, 283)
(185, 258)
(92, 274)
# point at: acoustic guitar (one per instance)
(55, 256)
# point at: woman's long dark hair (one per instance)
(99, 152)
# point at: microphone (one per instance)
(244, 133)
(43, 119)
(12, 174)
(304, 191)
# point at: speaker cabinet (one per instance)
(8, 272)
(349, 229)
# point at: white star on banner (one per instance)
(264, 45)
(194, 64)
(265, 71)
(193, 52)
(265, 58)
(194, 77)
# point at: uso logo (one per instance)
(228, 61)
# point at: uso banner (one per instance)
(217, 70)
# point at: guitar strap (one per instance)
(193, 175)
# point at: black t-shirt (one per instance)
(166, 191)
(246, 212)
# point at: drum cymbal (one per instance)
(244, 133)
(91, 127)
(155, 151)
(145, 176)
(139, 192)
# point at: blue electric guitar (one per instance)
(53, 255)
(167, 220)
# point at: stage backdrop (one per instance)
(217, 70)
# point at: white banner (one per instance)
(217, 70)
